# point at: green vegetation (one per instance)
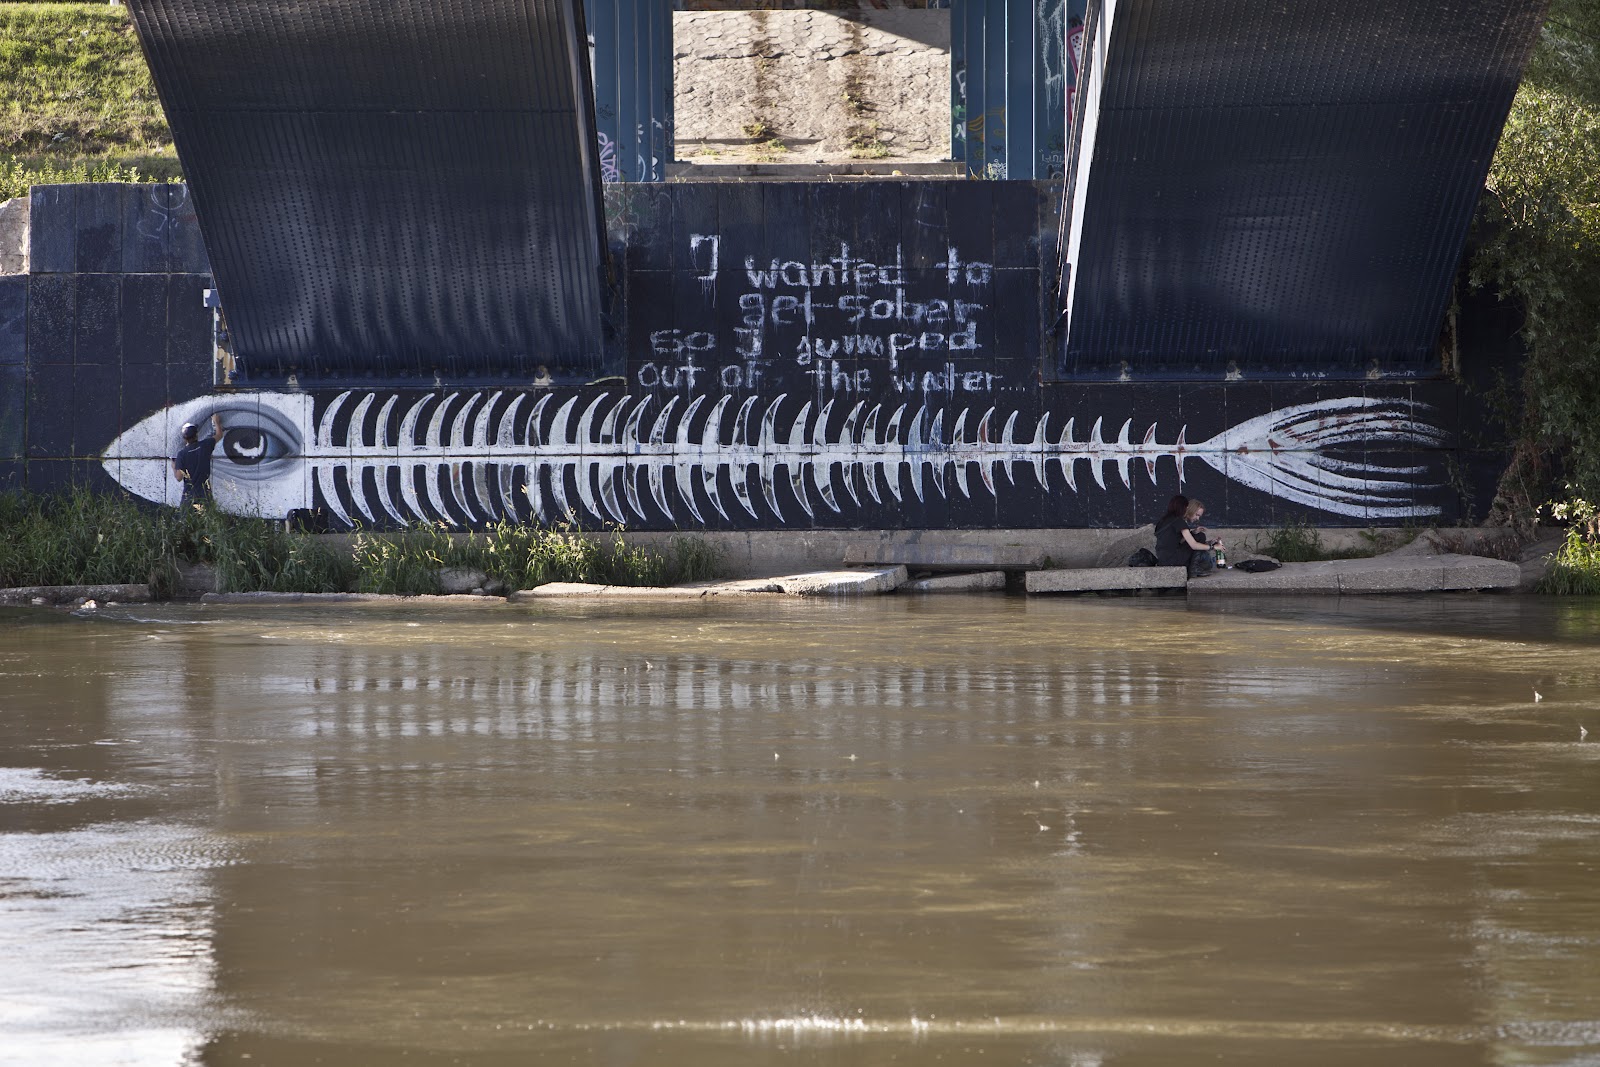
(864, 142)
(84, 538)
(1298, 541)
(81, 537)
(1575, 567)
(16, 175)
(1575, 570)
(759, 129)
(1539, 228)
(521, 557)
(78, 104)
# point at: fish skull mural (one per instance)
(464, 458)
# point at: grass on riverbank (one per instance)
(83, 538)
(1298, 541)
(80, 537)
(521, 557)
(79, 104)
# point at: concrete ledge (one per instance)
(1395, 573)
(818, 583)
(65, 594)
(1479, 572)
(688, 591)
(425, 600)
(1106, 579)
(983, 581)
(843, 583)
(957, 557)
(1319, 579)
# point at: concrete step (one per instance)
(1105, 579)
(1393, 573)
(945, 557)
(979, 582)
(843, 583)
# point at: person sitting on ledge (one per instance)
(192, 464)
(1170, 549)
(1202, 561)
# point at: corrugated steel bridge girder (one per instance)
(1280, 191)
(397, 190)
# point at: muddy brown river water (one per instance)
(954, 831)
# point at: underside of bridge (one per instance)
(438, 311)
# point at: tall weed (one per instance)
(80, 537)
(85, 537)
(1575, 569)
(1297, 541)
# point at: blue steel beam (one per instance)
(1011, 75)
(958, 81)
(630, 43)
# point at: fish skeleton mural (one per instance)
(468, 457)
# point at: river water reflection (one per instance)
(1067, 832)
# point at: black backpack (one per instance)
(1142, 558)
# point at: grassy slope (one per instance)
(76, 100)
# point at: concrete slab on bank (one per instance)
(978, 582)
(838, 583)
(1392, 573)
(68, 594)
(1105, 579)
(423, 600)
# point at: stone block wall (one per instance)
(107, 326)
(829, 88)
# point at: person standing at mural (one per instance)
(192, 465)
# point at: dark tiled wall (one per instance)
(812, 285)
(108, 326)
(712, 281)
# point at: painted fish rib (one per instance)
(468, 458)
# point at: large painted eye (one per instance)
(254, 440)
(249, 445)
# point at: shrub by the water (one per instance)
(1575, 569)
(406, 562)
(80, 537)
(521, 557)
(1575, 566)
(83, 538)
(254, 555)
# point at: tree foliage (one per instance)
(1539, 227)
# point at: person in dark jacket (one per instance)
(1202, 561)
(192, 464)
(1171, 551)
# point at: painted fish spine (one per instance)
(488, 449)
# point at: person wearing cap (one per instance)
(192, 465)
